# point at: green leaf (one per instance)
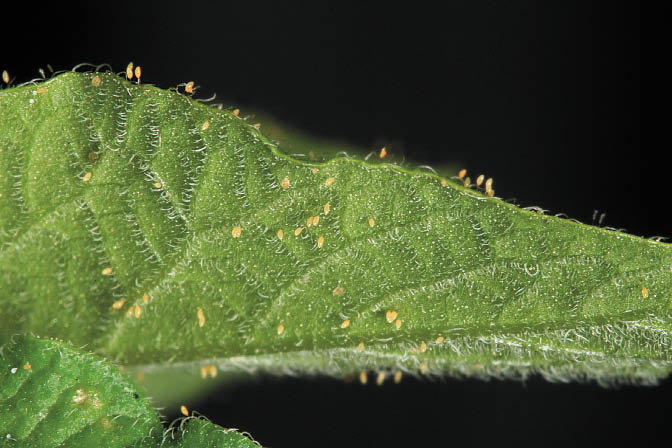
(54, 395)
(128, 196)
(198, 433)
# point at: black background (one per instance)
(544, 97)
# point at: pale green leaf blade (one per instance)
(177, 226)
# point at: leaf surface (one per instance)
(160, 231)
(52, 394)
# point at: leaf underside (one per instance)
(54, 395)
(125, 209)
